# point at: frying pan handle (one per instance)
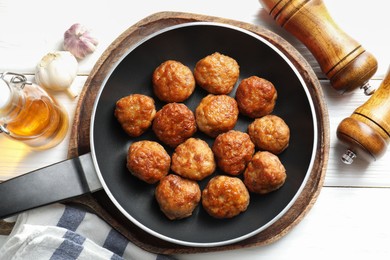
(57, 182)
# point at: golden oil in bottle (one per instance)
(29, 114)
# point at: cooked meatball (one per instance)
(174, 123)
(264, 173)
(256, 97)
(217, 73)
(225, 197)
(270, 133)
(233, 150)
(177, 196)
(216, 114)
(135, 113)
(173, 81)
(193, 159)
(148, 161)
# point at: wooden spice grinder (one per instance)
(367, 131)
(342, 59)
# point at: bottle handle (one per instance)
(15, 78)
(4, 130)
(19, 80)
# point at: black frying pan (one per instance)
(186, 43)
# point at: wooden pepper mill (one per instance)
(367, 131)
(342, 59)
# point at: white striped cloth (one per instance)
(63, 232)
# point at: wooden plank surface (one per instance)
(358, 224)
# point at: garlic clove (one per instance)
(56, 70)
(79, 41)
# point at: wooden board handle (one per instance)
(367, 130)
(342, 59)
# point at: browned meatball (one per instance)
(216, 114)
(148, 161)
(270, 133)
(256, 97)
(177, 196)
(193, 159)
(174, 123)
(135, 113)
(225, 197)
(264, 173)
(173, 81)
(217, 73)
(233, 150)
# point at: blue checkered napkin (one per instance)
(61, 232)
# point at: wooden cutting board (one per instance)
(100, 204)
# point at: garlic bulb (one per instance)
(79, 41)
(57, 70)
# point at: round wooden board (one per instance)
(100, 204)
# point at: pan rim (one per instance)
(228, 241)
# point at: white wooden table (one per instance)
(351, 216)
